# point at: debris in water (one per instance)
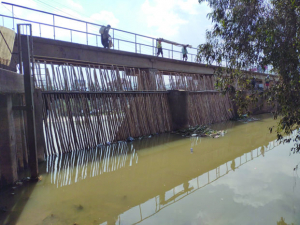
(200, 131)
(129, 139)
(79, 207)
(245, 118)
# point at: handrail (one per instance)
(169, 54)
(171, 50)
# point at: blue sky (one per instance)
(182, 21)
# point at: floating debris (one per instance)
(130, 139)
(200, 131)
(245, 118)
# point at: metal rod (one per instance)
(135, 43)
(153, 46)
(20, 48)
(71, 35)
(87, 37)
(12, 7)
(53, 27)
(113, 38)
(40, 30)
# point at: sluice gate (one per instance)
(84, 105)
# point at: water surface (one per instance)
(245, 177)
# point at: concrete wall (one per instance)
(13, 143)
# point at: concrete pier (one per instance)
(178, 103)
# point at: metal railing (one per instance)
(89, 33)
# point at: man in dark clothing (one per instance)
(104, 37)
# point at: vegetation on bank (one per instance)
(257, 33)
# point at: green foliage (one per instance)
(248, 33)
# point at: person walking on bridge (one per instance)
(159, 48)
(104, 31)
(184, 53)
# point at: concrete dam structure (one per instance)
(67, 97)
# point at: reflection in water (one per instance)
(71, 168)
(189, 187)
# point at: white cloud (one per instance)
(163, 16)
(189, 6)
(104, 18)
(74, 5)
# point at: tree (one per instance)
(248, 33)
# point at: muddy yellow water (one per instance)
(245, 177)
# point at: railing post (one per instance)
(40, 30)
(20, 49)
(71, 35)
(135, 43)
(12, 9)
(87, 37)
(172, 51)
(113, 40)
(53, 27)
(153, 46)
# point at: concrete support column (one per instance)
(38, 112)
(178, 103)
(30, 115)
(146, 80)
(19, 117)
(151, 78)
(8, 154)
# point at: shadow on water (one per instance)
(13, 199)
(133, 177)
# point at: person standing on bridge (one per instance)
(184, 52)
(159, 48)
(104, 36)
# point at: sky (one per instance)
(182, 21)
